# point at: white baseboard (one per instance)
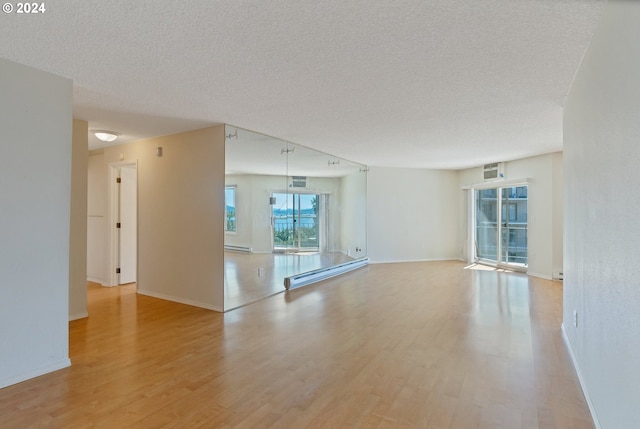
(540, 276)
(413, 260)
(101, 282)
(64, 363)
(180, 300)
(585, 392)
(78, 316)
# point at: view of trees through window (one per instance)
(296, 221)
(230, 211)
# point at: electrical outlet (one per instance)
(260, 271)
(575, 318)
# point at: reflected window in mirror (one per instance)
(230, 221)
(298, 210)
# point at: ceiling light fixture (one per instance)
(105, 136)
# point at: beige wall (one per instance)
(180, 215)
(78, 222)
(96, 219)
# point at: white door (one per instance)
(128, 225)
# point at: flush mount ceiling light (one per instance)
(105, 136)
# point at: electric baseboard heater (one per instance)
(238, 248)
(313, 276)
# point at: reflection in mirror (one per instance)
(289, 210)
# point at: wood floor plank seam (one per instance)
(411, 345)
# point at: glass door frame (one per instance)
(296, 222)
(511, 223)
(500, 224)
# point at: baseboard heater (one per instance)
(238, 248)
(313, 276)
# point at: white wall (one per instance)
(96, 220)
(544, 174)
(602, 232)
(412, 214)
(35, 181)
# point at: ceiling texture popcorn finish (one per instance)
(425, 84)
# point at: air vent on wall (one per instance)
(298, 181)
(492, 171)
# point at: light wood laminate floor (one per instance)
(416, 345)
(250, 277)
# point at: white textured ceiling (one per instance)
(421, 83)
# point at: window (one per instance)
(230, 208)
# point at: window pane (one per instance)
(283, 225)
(308, 221)
(487, 224)
(514, 225)
(230, 211)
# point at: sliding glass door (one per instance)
(295, 222)
(504, 242)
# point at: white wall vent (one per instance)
(298, 181)
(492, 171)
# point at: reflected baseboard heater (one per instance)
(313, 276)
(238, 248)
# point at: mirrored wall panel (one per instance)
(289, 210)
